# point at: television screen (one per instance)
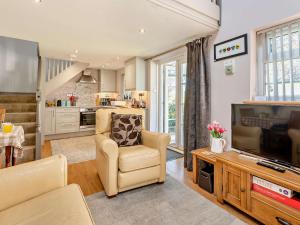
(270, 131)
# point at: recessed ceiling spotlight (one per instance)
(142, 30)
(38, 1)
(76, 51)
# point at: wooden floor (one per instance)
(85, 175)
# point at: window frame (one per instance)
(263, 61)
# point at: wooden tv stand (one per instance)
(234, 175)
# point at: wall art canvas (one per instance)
(231, 48)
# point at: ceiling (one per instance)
(105, 32)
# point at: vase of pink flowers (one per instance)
(217, 141)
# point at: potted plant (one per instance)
(217, 141)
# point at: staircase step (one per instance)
(20, 117)
(29, 127)
(29, 139)
(18, 107)
(28, 154)
(22, 98)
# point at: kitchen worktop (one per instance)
(85, 107)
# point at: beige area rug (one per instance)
(78, 149)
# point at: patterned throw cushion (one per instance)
(126, 129)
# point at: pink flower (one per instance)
(222, 130)
(215, 124)
(215, 129)
(209, 127)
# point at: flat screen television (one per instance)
(269, 131)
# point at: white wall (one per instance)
(239, 17)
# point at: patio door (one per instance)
(172, 100)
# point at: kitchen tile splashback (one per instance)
(86, 93)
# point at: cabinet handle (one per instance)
(243, 189)
(282, 221)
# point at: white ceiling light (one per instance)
(76, 51)
(38, 1)
(142, 31)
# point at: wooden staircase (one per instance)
(21, 110)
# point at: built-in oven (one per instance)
(87, 118)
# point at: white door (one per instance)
(172, 100)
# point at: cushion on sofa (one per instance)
(63, 206)
(126, 129)
(137, 157)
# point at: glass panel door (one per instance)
(174, 81)
(170, 100)
(183, 69)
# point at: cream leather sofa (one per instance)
(37, 193)
(124, 168)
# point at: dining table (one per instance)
(11, 145)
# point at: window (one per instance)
(279, 62)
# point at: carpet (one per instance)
(172, 155)
(169, 204)
(76, 150)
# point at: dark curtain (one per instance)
(197, 99)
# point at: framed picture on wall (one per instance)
(231, 48)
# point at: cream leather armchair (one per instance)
(124, 168)
(37, 193)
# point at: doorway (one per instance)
(172, 97)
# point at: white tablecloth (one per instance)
(14, 139)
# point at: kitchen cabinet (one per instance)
(108, 81)
(135, 75)
(67, 120)
(50, 121)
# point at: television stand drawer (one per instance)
(272, 212)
